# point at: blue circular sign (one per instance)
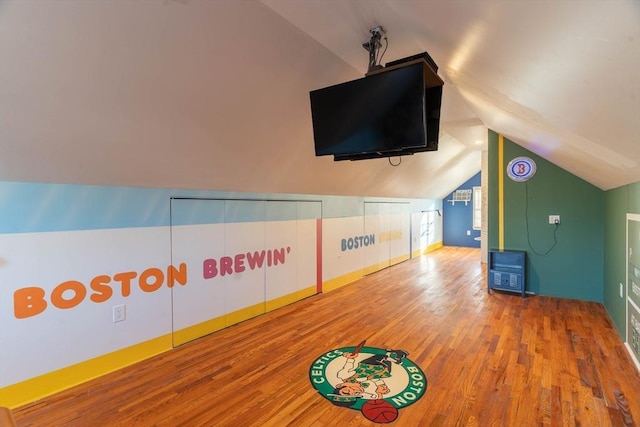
(521, 169)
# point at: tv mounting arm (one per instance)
(373, 47)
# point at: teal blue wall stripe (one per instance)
(39, 207)
(196, 211)
(28, 207)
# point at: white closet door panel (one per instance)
(197, 245)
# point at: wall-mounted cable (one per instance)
(395, 164)
(526, 217)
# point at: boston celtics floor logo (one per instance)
(372, 380)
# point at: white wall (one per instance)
(69, 254)
(207, 95)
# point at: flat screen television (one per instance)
(392, 112)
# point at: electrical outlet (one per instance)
(621, 291)
(468, 232)
(554, 219)
(119, 313)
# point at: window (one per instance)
(477, 208)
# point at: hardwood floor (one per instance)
(490, 360)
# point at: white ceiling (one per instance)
(213, 95)
(561, 78)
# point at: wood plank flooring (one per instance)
(490, 360)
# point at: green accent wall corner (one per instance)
(566, 260)
(618, 203)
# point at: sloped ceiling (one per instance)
(214, 94)
(561, 78)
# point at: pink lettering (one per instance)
(209, 268)
(226, 265)
(278, 256)
(239, 263)
(256, 259)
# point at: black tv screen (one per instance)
(389, 113)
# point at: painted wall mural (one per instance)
(98, 278)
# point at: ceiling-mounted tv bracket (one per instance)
(373, 47)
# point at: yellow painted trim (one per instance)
(375, 267)
(382, 265)
(433, 247)
(213, 325)
(399, 259)
(339, 282)
(193, 332)
(291, 298)
(500, 192)
(53, 382)
(245, 313)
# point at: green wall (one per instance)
(618, 202)
(574, 268)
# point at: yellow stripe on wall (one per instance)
(500, 192)
(398, 260)
(341, 281)
(183, 336)
(207, 327)
(291, 298)
(435, 246)
(44, 385)
(376, 267)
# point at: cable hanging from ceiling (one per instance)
(374, 45)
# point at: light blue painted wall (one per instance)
(457, 219)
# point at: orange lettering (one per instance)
(28, 302)
(154, 273)
(79, 292)
(125, 280)
(31, 301)
(177, 275)
(103, 290)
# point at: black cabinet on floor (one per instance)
(506, 271)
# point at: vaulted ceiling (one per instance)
(561, 78)
(214, 94)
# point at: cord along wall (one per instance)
(566, 260)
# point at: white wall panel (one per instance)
(282, 279)
(307, 256)
(241, 260)
(245, 284)
(426, 230)
(374, 223)
(400, 232)
(391, 225)
(86, 330)
(201, 246)
(124, 240)
(204, 296)
(336, 261)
